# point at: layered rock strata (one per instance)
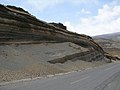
(17, 24)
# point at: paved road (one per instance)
(91, 79)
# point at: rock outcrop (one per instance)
(60, 25)
(17, 24)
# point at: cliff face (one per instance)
(18, 24)
(36, 59)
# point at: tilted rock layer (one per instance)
(17, 24)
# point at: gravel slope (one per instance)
(29, 61)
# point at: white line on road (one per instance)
(79, 80)
(109, 68)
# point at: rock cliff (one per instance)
(49, 48)
(17, 24)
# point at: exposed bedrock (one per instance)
(18, 24)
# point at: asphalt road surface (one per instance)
(91, 79)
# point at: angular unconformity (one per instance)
(18, 24)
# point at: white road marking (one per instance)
(79, 80)
(109, 68)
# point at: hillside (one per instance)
(32, 48)
(109, 42)
(32, 60)
(112, 36)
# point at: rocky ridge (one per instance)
(17, 24)
(21, 40)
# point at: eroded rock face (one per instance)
(17, 24)
(19, 61)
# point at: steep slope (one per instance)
(32, 60)
(32, 48)
(17, 24)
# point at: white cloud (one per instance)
(107, 21)
(85, 11)
(69, 26)
(84, 1)
(42, 4)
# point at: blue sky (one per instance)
(91, 17)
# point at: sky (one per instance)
(90, 17)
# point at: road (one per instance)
(91, 79)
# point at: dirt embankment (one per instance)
(32, 60)
(29, 61)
